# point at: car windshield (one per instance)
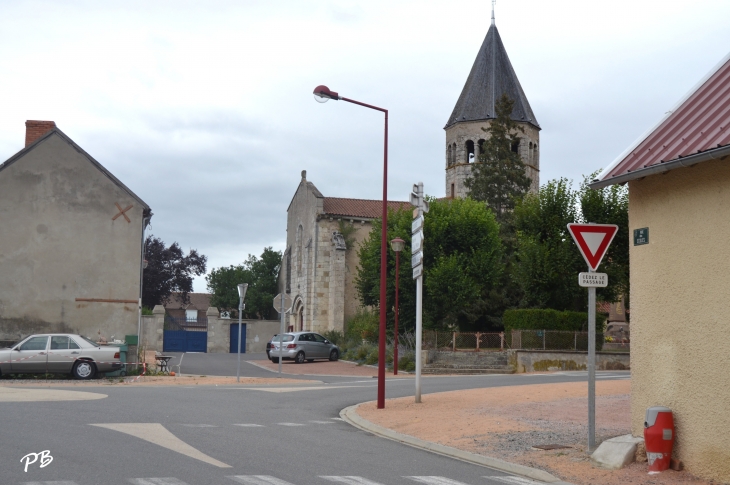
(89, 340)
(286, 338)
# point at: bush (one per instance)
(372, 357)
(547, 319)
(363, 326)
(407, 362)
(334, 336)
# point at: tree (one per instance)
(260, 274)
(462, 265)
(499, 177)
(168, 269)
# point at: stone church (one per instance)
(320, 265)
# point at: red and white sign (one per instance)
(593, 241)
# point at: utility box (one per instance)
(659, 437)
(131, 339)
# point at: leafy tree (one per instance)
(260, 274)
(168, 269)
(462, 265)
(499, 177)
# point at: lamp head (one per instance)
(397, 244)
(322, 94)
(242, 290)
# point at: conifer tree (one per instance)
(499, 178)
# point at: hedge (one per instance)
(547, 319)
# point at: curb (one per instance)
(349, 414)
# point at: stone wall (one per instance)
(555, 360)
(151, 331)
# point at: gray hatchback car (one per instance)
(301, 346)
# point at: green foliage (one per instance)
(462, 266)
(334, 336)
(260, 274)
(407, 362)
(544, 319)
(499, 178)
(372, 357)
(146, 311)
(363, 326)
(168, 269)
(348, 233)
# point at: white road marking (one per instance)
(337, 419)
(258, 480)
(8, 394)
(156, 481)
(291, 389)
(291, 424)
(250, 425)
(321, 422)
(436, 481)
(200, 425)
(159, 435)
(350, 480)
(515, 480)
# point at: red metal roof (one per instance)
(364, 208)
(700, 122)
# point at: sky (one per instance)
(205, 109)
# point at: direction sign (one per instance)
(593, 280)
(416, 260)
(417, 242)
(593, 241)
(287, 303)
(417, 271)
(417, 224)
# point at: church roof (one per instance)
(361, 208)
(490, 76)
(695, 130)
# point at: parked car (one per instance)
(59, 354)
(301, 346)
(269, 346)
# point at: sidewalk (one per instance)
(325, 368)
(504, 423)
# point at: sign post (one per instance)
(282, 304)
(592, 241)
(417, 241)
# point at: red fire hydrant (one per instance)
(659, 437)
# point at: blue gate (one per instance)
(182, 335)
(234, 338)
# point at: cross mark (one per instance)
(122, 212)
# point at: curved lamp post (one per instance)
(322, 94)
(396, 245)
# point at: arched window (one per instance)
(453, 153)
(516, 146)
(449, 162)
(469, 150)
(480, 146)
(300, 256)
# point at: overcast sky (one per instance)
(204, 109)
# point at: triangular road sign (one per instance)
(593, 241)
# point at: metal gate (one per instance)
(183, 335)
(234, 338)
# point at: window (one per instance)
(516, 146)
(305, 337)
(59, 343)
(449, 160)
(72, 344)
(191, 315)
(469, 150)
(480, 144)
(300, 256)
(35, 343)
(318, 338)
(452, 191)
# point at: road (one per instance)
(197, 435)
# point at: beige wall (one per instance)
(680, 335)
(58, 242)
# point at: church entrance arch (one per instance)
(298, 314)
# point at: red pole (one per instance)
(395, 331)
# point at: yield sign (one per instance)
(593, 241)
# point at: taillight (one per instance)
(268, 345)
(116, 355)
(291, 346)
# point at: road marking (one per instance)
(258, 480)
(350, 480)
(62, 482)
(8, 394)
(515, 480)
(338, 419)
(200, 425)
(436, 480)
(156, 481)
(291, 389)
(321, 422)
(159, 435)
(291, 424)
(250, 425)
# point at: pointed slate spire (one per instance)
(490, 76)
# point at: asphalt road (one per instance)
(199, 435)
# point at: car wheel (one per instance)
(275, 360)
(334, 355)
(299, 359)
(84, 370)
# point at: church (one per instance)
(323, 233)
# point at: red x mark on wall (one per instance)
(122, 212)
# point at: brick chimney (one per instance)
(35, 129)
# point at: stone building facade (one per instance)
(319, 265)
(491, 76)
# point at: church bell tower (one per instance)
(490, 77)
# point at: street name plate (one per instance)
(417, 242)
(641, 236)
(417, 224)
(416, 260)
(593, 280)
(417, 271)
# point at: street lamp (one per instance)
(396, 245)
(323, 94)
(241, 295)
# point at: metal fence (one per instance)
(183, 323)
(515, 340)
